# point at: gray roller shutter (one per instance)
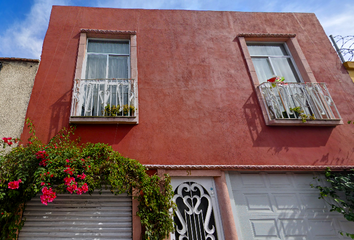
(72, 216)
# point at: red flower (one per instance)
(84, 187)
(272, 79)
(68, 180)
(14, 184)
(42, 183)
(67, 160)
(69, 171)
(51, 175)
(72, 188)
(82, 176)
(48, 195)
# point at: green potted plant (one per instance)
(128, 109)
(111, 110)
(298, 112)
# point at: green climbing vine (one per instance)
(66, 166)
(339, 193)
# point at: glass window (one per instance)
(107, 59)
(272, 59)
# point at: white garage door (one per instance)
(282, 206)
(72, 216)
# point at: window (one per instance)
(105, 88)
(107, 59)
(302, 100)
(272, 59)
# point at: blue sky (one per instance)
(24, 22)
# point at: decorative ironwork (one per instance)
(91, 96)
(194, 218)
(314, 99)
(344, 46)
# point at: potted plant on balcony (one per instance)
(298, 112)
(128, 109)
(111, 110)
(275, 80)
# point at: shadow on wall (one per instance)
(60, 112)
(111, 134)
(281, 138)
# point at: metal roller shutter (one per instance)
(71, 216)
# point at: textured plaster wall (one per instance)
(350, 68)
(197, 103)
(16, 82)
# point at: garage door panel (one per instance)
(258, 201)
(264, 228)
(310, 201)
(291, 212)
(250, 181)
(286, 201)
(294, 228)
(323, 229)
(278, 180)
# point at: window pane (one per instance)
(121, 47)
(96, 66)
(118, 67)
(263, 69)
(284, 68)
(267, 50)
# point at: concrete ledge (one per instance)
(104, 120)
(308, 123)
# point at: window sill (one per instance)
(104, 120)
(308, 123)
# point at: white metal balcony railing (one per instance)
(313, 99)
(104, 98)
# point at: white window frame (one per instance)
(80, 73)
(270, 57)
(107, 55)
(301, 66)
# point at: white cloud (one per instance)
(340, 23)
(153, 4)
(24, 39)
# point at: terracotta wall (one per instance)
(197, 104)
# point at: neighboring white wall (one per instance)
(16, 82)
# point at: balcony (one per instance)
(104, 101)
(298, 104)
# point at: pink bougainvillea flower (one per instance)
(84, 187)
(79, 191)
(48, 195)
(67, 160)
(72, 188)
(14, 184)
(42, 183)
(68, 180)
(69, 171)
(82, 176)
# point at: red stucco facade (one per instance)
(199, 114)
(197, 103)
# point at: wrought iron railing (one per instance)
(104, 98)
(312, 100)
